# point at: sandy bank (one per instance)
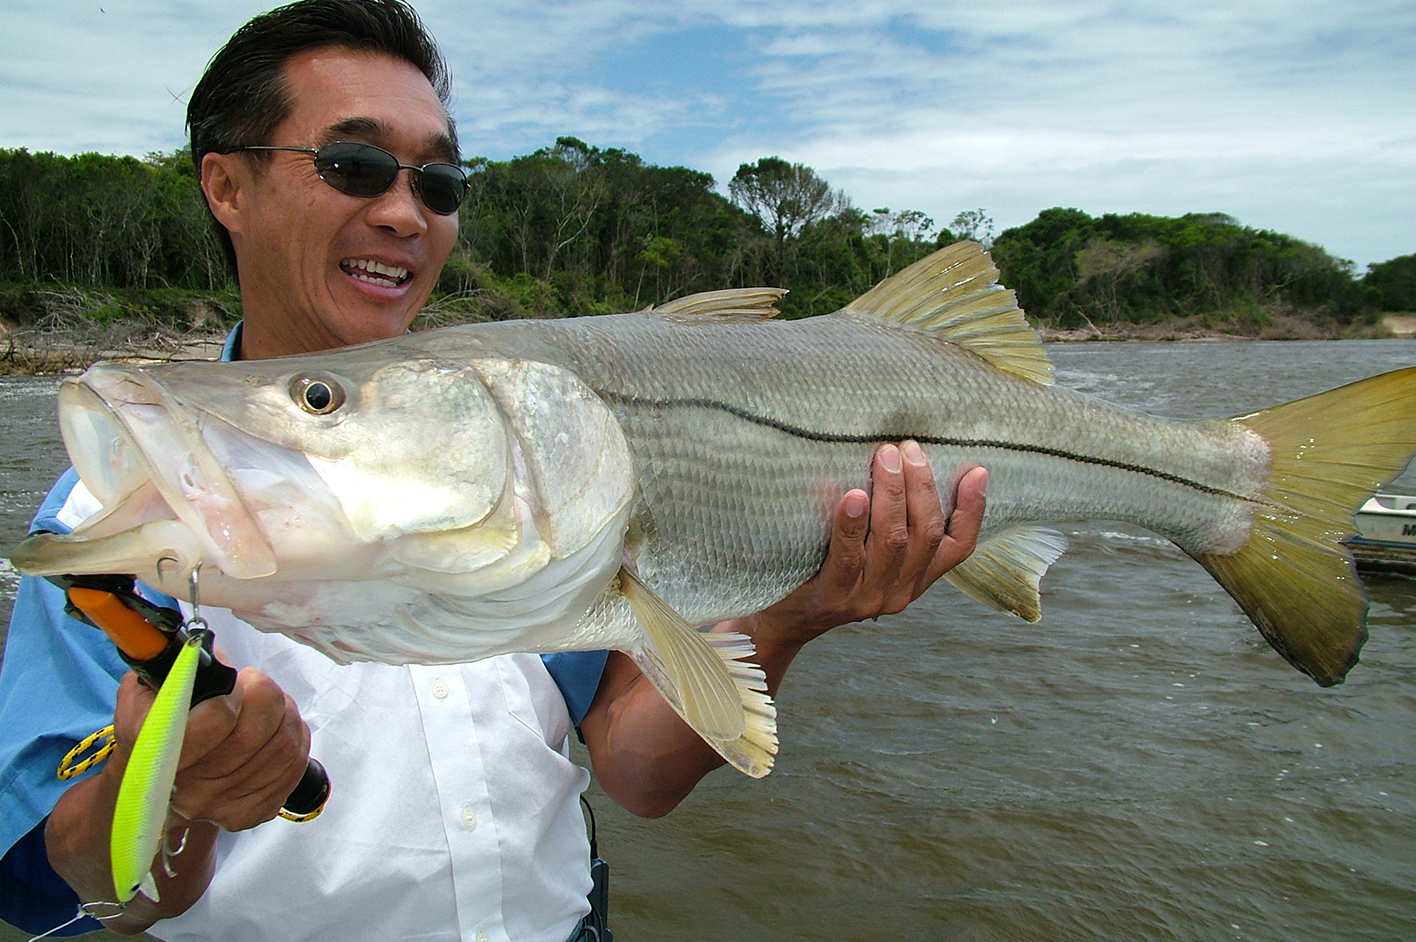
(32, 352)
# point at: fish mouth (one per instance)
(162, 473)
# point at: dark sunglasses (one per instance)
(360, 169)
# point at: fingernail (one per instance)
(856, 502)
(914, 454)
(890, 458)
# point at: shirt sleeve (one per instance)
(577, 674)
(32, 896)
(58, 684)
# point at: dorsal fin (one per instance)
(740, 302)
(955, 295)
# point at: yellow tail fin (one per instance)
(1294, 577)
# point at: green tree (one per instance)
(785, 198)
(1069, 268)
(1391, 285)
(975, 225)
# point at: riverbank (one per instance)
(33, 352)
(1281, 327)
(38, 353)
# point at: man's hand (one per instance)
(242, 757)
(242, 754)
(886, 549)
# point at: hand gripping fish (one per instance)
(611, 482)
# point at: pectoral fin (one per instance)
(1004, 572)
(703, 677)
(144, 794)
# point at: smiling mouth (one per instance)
(375, 273)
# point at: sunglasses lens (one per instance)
(442, 187)
(356, 169)
(365, 170)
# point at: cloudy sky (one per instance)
(1298, 116)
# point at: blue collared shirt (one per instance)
(59, 683)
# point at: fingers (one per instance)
(243, 755)
(927, 526)
(909, 543)
(963, 525)
(846, 555)
(908, 527)
(888, 541)
(970, 502)
(134, 701)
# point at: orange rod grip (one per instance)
(134, 635)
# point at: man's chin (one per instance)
(376, 314)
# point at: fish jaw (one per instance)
(146, 459)
(162, 552)
(179, 488)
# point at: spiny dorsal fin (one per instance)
(1004, 571)
(954, 294)
(704, 678)
(739, 302)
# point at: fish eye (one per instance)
(317, 395)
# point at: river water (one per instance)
(1139, 765)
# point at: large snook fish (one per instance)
(608, 482)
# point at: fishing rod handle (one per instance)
(308, 799)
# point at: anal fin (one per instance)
(703, 676)
(1004, 571)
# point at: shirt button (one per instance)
(469, 819)
(440, 690)
(483, 937)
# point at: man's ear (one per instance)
(222, 179)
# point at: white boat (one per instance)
(1386, 534)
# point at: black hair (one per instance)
(242, 97)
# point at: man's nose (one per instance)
(399, 209)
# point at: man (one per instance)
(455, 810)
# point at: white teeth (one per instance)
(375, 268)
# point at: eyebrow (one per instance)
(440, 145)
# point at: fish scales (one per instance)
(747, 432)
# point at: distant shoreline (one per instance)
(1392, 327)
(28, 353)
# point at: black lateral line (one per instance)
(844, 439)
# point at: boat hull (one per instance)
(1386, 535)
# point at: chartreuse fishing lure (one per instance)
(143, 797)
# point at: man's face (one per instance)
(320, 268)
